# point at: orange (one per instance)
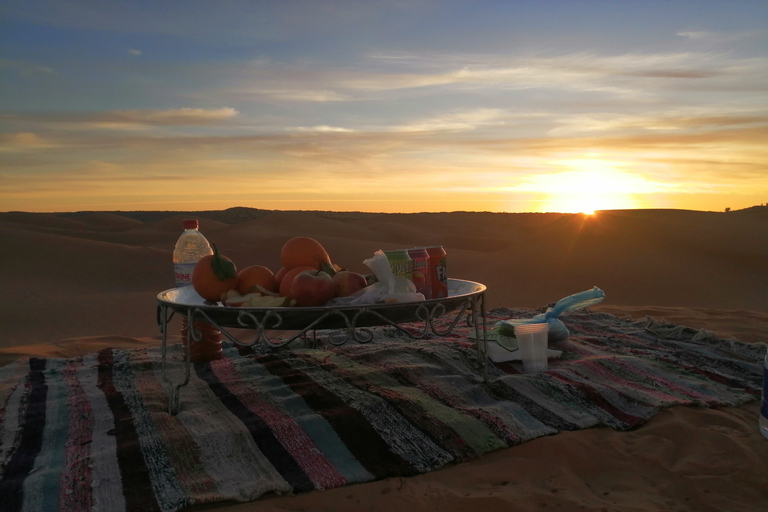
(249, 277)
(287, 281)
(214, 275)
(280, 274)
(303, 251)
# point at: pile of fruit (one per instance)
(307, 278)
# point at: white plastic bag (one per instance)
(557, 329)
(389, 288)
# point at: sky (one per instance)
(387, 106)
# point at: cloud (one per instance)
(179, 116)
(719, 37)
(134, 53)
(617, 123)
(321, 128)
(458, 121)
(439, 161)
(697, 34)
(25, 69)
(22, 141)
(293, 94)
(628, 77)
(494, 132)
(123, 119)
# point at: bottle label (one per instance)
(183, 272)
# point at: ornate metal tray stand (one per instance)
(466, 299)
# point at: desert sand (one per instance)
(75, 283)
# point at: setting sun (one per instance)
(590, 185)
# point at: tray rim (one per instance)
(219, 307)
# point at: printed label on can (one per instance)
(183, 273)
(420, 271)
(438, 272)
(401, 263)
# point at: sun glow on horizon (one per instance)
(590, 185)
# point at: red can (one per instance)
(420, 271)
(208, 348)
(437, 271)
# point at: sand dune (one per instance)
(73, 283)
(103, 270)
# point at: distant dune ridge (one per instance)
(75, 282)
(104, 269)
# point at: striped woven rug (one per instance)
(93, 432)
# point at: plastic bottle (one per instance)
(764, 403)
(190, 247)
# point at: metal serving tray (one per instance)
(184, 299)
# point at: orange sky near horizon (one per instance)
(392, 107)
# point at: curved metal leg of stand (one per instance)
(473, 307)
(481, 339)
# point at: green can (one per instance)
(400, 262)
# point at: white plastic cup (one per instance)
(532, 340)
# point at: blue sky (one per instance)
(385, 106)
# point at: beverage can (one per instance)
(438, 274)
(420, 271)
(208, 348)
(400, 263)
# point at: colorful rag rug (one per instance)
(93, 432)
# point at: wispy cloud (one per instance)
(22, 141)
(631, 76)
(25, 69)
(122, 119)
(720, 37)
(321, 128)
(661, 121)
(179, 116)
(456, 121)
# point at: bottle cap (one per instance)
(190, 224)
